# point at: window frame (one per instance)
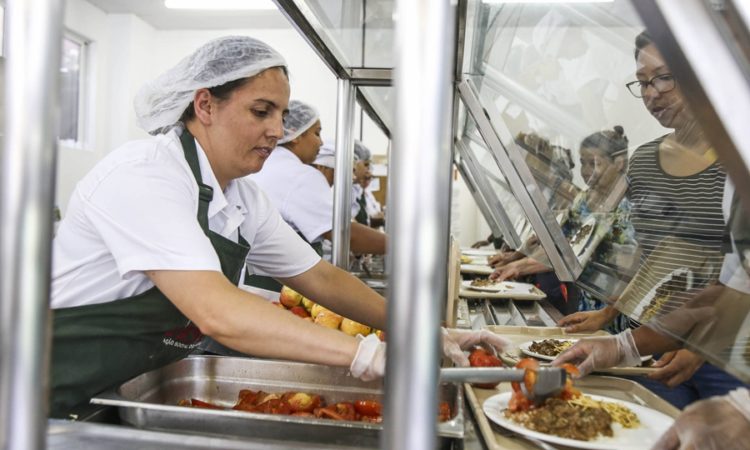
(84, 92)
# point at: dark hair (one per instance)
(642, 41)
(222, 92)
(611, 142)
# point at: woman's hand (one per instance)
(676, 367)
(369, 361)
(507, 272)
(598, 353)
(503, 258)
(456, 341)
(588, 321)
(480, 244)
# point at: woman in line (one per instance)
(149, 256)
(676, 190)
(603, 156)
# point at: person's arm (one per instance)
(248, 323)
(588, 321)
(521, 267)
(650, 341)
(364, 240)
(349, 296)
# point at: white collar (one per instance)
(221, 199)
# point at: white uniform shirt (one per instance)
(372, 205)
(137, 211)
(299, 191)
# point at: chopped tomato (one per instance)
(274, 406)
(569, 392)
(529, 377)
(328, 412)
(444, 411)
(368, 408)
(195, 403)
(346, 410)
(480, 357)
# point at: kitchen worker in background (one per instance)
(300, 192)
(365, 207)
(325, 162)
(148, 257)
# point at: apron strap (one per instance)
(205, 192)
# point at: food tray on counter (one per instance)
(150, 400)
(497, 438)
(532, 293)
(518, 335)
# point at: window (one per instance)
(71, 89)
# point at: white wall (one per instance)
(127, 52)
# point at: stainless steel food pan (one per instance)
(150, 400)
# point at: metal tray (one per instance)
(150, 400)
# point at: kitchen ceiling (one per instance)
(157, 15)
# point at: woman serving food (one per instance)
(157, 235)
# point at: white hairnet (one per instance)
(160, 103)
(326, 156)
(300, 118)
(360, 151)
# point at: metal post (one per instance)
(342, 177)
(27, 174)
(420, 200)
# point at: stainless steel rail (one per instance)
(420, 214)
(34, 32)
(342, 194)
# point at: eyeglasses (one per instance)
(661, 83)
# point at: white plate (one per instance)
(525, 350)
(653, 425)
(477, 252)
(503, 286)
(477, 268)
(581, 243)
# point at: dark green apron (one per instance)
(96, 347)
(362, 216)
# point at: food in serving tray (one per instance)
(481, 357)
(302, 404)
(550, 347)
(483, 282)
(308, 310)
(571, 414)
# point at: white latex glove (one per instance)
(717, 423)
(369, 361)
(596, 353)
(456, 341)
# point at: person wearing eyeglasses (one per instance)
(676, 187)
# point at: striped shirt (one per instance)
(678, 224)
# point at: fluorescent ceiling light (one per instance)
(546, 1)
(221, 4)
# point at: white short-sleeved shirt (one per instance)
(299, 191)
(137, 211)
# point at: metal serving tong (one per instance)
(549, 380)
